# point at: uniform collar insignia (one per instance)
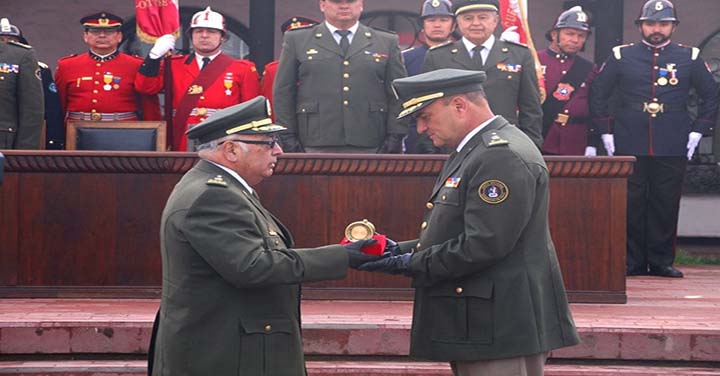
(105, 58)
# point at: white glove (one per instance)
(590, 151)
(162, 45)
(693, 141)
(609, 142)
(510, 35)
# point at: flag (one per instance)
(155, 18)
(514, 13)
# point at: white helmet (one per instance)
(208, 19)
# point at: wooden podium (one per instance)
(86, 224)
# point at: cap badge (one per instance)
(435, 3)
(103, 21)
(493, 192)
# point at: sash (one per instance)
(204, 79)
(574, 77)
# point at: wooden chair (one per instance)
(116, 135)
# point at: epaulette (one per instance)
(517, 43)
(301, 28)
(23, 45)
(67, 57)
(43, 65)
(440, 45)
(616, 50)
(494, 138)
(217, 180)
(695, 51)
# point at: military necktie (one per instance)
(477, 55)
(344, 40)
(205, 60)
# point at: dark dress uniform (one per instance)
(230, 294)
(54, 123)
(511, 86)
(567, 131)
(651, 122)
(487, 280)
(487, 287)
(417, 143)
(327, 98)
(21, 98)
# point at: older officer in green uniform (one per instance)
(230, 297)
(489, 295)
(332, 88)
(21, 95)
(511, 85)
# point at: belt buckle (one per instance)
(202, 111)
(562, 119)
(95, 116)
(653, 107)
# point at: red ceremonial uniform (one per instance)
(102, 88)
(568, 134)
(238, 83)
(266, 84)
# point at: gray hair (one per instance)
(214, 144)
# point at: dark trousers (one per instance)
(653, 204)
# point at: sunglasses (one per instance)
(269, 143)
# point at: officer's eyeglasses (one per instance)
(269, 143)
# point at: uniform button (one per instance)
(97, 73)
(303, 110)
(97, 83)
(346, 88)
(268, 328)
(94, 100)
(202, 97)
(423, 225)
(564, 72)
(509, 77)
(444, 197)
(655, 99)
(562, 61)
(429, 205)
(95, 91)
(277, 242)
(93, 110)
(656, 67)
(655, 84)
(10, 129)
(309, 57)
(567, 111)
(458, 290)
(346, 75)
(346, 63)
(2, 78)
(656, 54)
(417, 246)
(346, 103)
(98, 64)
(653, 115)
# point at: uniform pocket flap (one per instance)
(378, 107)
(266, 326)
(308, 108)
(447, 196)
(475, 289)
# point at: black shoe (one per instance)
(636, 271)
(665, 271)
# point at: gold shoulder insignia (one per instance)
(494, 138)
(43, 65)
(23, 45)
(440, 45)
(218, 181)
(617, 50)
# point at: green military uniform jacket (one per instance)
(21, 97)
(230, 295)
(511, 85)
(486, 276)
(328, 99)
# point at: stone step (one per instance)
(344, 368)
